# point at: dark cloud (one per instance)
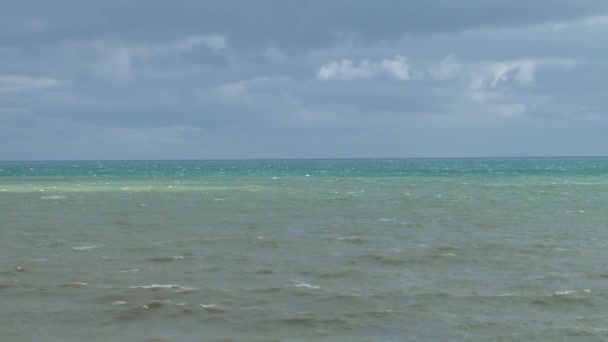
(288, 23)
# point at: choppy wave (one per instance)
(161, 287)
(360, 250)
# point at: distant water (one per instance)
(304, 250)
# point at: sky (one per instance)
(230, 79)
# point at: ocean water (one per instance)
(305, 250)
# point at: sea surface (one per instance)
(305, 250)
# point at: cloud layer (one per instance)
(292, 79)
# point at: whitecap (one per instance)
(74, 285)
(86, 248)
(212, 307)
(128, 271)
(158, 287)
(53, 197)
(306, 286)
(563, 293)
(349, 238)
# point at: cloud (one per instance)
(231, 93)
(520, 72)
(345, 69)
(446, 69)
(12, 83)
(235, 78)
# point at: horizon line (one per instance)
(296, 159)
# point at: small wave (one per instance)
(167, 259)
(305, 286)
(566, 293)
(265, 271)
(346, 273)
(130, 271)
(160, 287)
(568, 296)
(86, 248)
(212, 308)
(382, 259)
(311, 321)
(354, 239)
(563, 293)
(53, 197)
(17, 269)
(74, 285)
(155, 304)
(371, 314)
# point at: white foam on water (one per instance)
(86, 248)
(158, 287)
(563, 293)
(306, 286)
(128, 271)
(119, 302)
(212, 307)
(53, 197)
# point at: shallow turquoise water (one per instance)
(327, 250)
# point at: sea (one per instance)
(305, 250)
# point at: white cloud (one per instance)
(396, 67)
(214, 42)
(518, 72)
(153, 135)
(448, 68)
(113, 63)
(232, 92)
(346, 69)
(21, 83)
(118, 62)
